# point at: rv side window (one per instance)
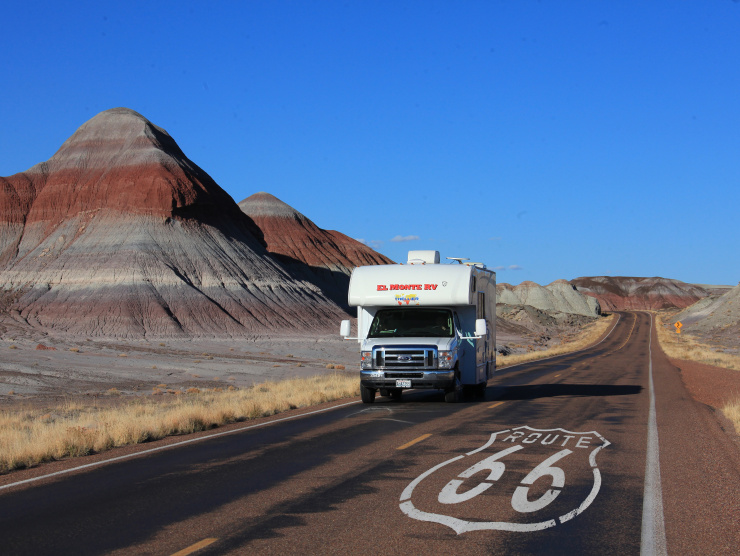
(481, 312)
(412, 323)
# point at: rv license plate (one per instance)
(403, 383)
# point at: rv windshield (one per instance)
(412, 323)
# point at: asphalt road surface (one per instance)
(597, 452)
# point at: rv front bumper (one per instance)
(418, 379)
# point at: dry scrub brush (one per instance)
(687, 347)
(30, 437)
(582, 340)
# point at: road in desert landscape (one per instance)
(596, 452)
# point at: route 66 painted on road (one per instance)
(522, 479)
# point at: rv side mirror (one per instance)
(481, 329)
(344, 329)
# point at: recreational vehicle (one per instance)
(424, 325)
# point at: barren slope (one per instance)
(119, 234)
(715, 318)
(324, 257)
(617, 293)
(559, 296)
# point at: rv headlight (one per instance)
(446, 359)
(366, 359)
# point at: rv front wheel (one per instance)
(454, 394)
(367, 394)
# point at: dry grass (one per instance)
(586, 337)
(29, 437)
(732, 412)
(687, 347)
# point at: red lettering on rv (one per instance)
(382, 288)
(407, 287)
(430, 286)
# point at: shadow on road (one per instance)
(534, 391)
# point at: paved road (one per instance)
(561, 457)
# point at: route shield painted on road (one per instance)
(522, 479)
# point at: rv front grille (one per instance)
(406, 357)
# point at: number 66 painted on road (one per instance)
(519, 500)
(585, 445)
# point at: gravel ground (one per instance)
(713, 386)
(74, 369)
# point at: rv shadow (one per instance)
(535, 391)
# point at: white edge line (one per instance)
(652, 538)
(173, 445)
(619, 317)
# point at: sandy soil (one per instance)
(88, 368)
(713, 386)
(36, 368)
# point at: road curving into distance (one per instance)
(562, 456)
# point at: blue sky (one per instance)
(549, 139)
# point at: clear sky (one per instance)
(549, 139)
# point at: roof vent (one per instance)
(423, 257)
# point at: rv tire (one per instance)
(367, 394)
(480, 389)
(454, 394)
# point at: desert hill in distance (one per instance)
(715, 318)
(559, 296)
(619, 293)
(302, 247)
(119, 234)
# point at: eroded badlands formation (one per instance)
(325, 257)
(293, 237)
(120, 234)
(618, 293)
(716, 318)
(558, 297)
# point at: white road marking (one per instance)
(519, 438)
(370, 410)
(653, 525)
(173, 445)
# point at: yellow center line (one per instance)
(414, 441)
(495, 405)
(634, 322)
(194, 547)
(556, 376)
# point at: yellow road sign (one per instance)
(678, 324)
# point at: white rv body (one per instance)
(453, 308)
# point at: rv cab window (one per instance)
(412, 323)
